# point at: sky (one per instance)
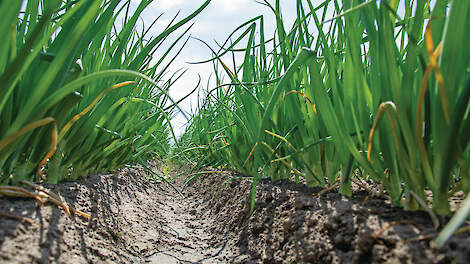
(215, 23)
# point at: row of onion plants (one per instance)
(80, 88)
(353, 91)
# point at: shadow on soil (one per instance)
(290, 224)
(138, 220)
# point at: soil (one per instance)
(137, 219)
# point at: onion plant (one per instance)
(80, 90)
(354, 90)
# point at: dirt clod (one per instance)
(299, 226)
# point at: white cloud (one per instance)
(216, 22)
(230, 6)
(167, 4)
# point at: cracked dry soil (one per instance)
(135, 220)
(138, 220)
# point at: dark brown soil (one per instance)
(144, 221)
(290, 224)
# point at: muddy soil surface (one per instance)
(140, 220)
